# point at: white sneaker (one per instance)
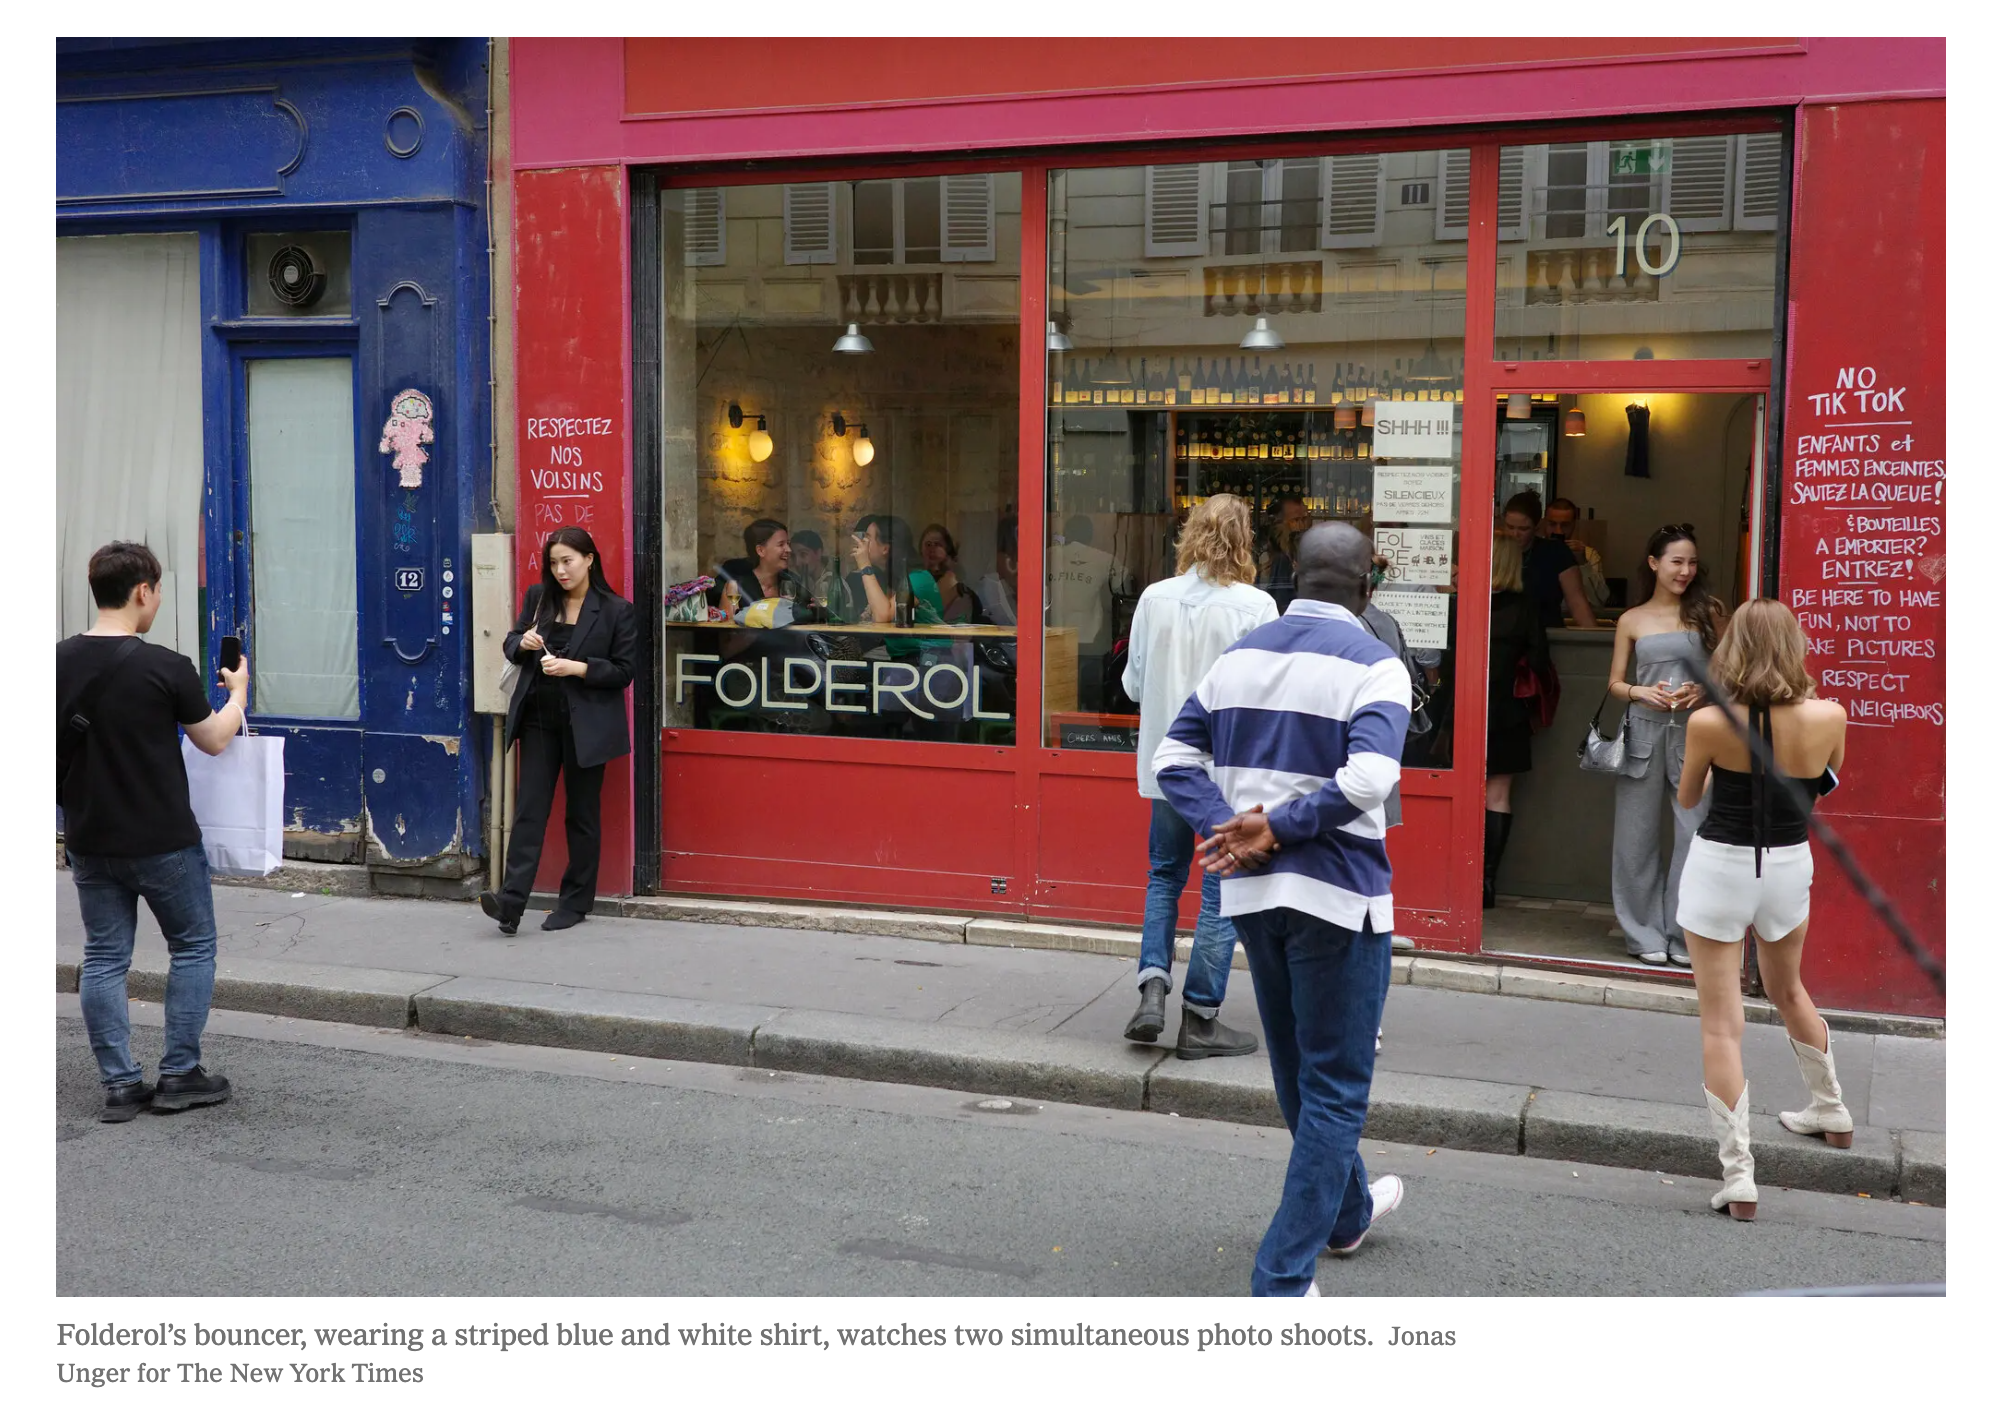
(1653, 959)
(1312, 1290)
(1386, 1194)
(1379, 1038)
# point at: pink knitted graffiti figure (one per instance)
(405, 432)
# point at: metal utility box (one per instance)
(491, 612)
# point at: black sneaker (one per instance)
(183, 1092)
(560, 919)
(123, 1102)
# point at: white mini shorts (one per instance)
(1721, 894)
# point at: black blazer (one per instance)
(604, 637)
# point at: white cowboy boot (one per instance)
(1738, 1193)
(1826, 1116)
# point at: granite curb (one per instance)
(1537, 978)
(1430, 1111)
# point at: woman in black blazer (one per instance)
(575, 644)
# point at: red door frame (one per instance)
(1456, 926)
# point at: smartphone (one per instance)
(231, 652)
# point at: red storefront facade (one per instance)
(606, 134)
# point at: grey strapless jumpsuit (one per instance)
(1644, 895)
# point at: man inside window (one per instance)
(1550, 575)
(129, 829)
(1559, 522)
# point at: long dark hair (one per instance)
(899, 548)
(1699, 608)
(581, 543)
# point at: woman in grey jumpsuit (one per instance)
(1677, 624)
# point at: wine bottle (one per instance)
(1057, 381)
(1181, 380)
(1258, 384)
(1196, 383)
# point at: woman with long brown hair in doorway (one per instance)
(575, 644)
(1676, 625)
(1750, 868)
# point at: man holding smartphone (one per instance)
(129, 829)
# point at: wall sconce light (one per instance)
(1573, 423)
(1518, 406)
(851, 342)
(862, 450)
(1054, 341)
(1369, 413)
(760, 446)
(1346, 417)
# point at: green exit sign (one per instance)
(1641, 160)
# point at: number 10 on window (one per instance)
(1666, 224)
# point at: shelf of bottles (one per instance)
(1261, 456)
(1180, 381)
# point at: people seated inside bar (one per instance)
(881, 553)
(940, 556)
(998, 589)
(763, 572)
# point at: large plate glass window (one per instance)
(1289, 330)
(1637, 248)
(840, 450)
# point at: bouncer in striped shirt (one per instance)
(1282, 759)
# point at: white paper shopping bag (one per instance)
(238, 798)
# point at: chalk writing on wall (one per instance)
(1867, 525)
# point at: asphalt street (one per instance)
(361, 1162)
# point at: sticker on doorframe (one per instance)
(405, 433)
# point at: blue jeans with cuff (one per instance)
(1321, 989)
(180, 891)
(1171, 843)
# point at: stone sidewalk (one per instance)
(1461, 1069)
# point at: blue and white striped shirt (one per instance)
(1305, 716)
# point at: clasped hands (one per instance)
(1245, 841)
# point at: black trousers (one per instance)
(545, 755)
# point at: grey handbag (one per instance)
(1601, 753)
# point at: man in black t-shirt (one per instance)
(1550, 576)
(129, 830)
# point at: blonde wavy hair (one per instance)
(1217, 539)
(1761, 659)
(1507, 563)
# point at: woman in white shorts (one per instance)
(1750, 867)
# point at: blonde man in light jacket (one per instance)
(1180, 627)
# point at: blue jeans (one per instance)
(1321, 990)
(1171, 842)
(180, 892)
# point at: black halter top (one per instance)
(1746, 808)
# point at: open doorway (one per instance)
(1582, 482)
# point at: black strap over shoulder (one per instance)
(76, 721)
(1760, 801)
